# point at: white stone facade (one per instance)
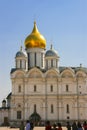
(58, 96)
(40, 86)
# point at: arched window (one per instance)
(56, 63)
(20, 64)
(47, 64)
(19, 88)
(67, 88)
(35, 60)
(28, 60)
(79, 86)
(52, 108)
(34, 107)
(52, 63)
(67, 108)
(51, 88)
(41, 59)
(35, 88)
(68, 117)
(18, 114)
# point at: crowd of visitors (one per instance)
(73, 126)
(55, 126)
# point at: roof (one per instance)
(51, 52)
(75, 69)
(61, 68)
(20, 54)
(9, 95)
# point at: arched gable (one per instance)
(81, 73)
(35, 73)
(52, 73)
(18, 74)
(68, 72)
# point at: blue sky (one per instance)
(62, 22)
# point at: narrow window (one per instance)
(67, 108)
(35, 88)
(19, 88)
(21, 64)
(51, 108)
(19, 105)
(56, 63)
(18, 114)
(67, 88)
(41, 59)
(51, 88)
(28, 60)
(34, 107)
(16, 64)
(35, 59)
(25, 64)
(68, 117)
(47, 64)
(51, 63)
(79, 86)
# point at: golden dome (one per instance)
(35, 39)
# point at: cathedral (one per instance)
(41, 89)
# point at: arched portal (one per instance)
(35, 118)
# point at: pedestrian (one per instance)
(85, 125)
(68, 126)
(54, 127)
(74, 126)
(79, 126)
(31, 125)
(22, 127)
(59, 126)
(27, 127)
(48, 126)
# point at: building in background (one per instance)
(41, 89)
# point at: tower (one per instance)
(51, 58)
(35, 45)
(21, 60)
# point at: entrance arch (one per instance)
(35, 118)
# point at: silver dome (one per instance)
(20, 54)
(51, 52)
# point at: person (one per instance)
(48, 126)
(27, 127)
(31, 125)
(22, 126)
(59, 126)
(68, 126)
(74, 126)
(54, 127)
(85, 125)
(79, 126)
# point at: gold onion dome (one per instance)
(35, 39)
